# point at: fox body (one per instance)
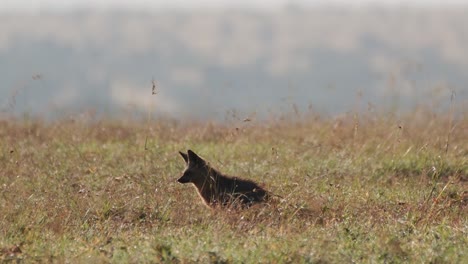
(217, 189)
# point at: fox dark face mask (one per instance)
(194, 164)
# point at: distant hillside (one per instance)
(206, 63)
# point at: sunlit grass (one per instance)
(366, 189)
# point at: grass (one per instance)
(369, 188)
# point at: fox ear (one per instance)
(184, 156)
(194, 158)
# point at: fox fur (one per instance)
(217, 189)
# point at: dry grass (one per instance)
(369, 188)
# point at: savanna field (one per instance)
(363, 188)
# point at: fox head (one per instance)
(197, 169)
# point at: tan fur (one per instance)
(217, 189)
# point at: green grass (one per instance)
(367, 189)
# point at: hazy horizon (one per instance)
(57, 5)
(205, 64)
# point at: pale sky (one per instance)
(37, 5)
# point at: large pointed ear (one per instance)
(194, 158)
(185, 156)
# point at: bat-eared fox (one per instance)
(217, 189)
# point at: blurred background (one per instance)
(210, 58)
